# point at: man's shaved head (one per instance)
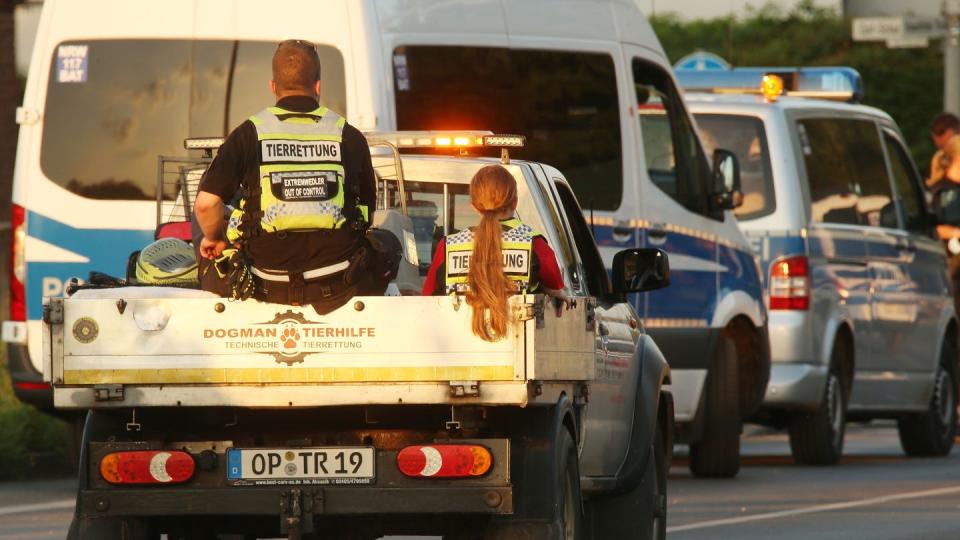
(296, 68)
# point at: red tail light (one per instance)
(18, 265)
(790, 284)
(444, 461)
(31, 386)
(147, 467)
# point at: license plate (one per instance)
(309, 466)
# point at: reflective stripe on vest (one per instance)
(516, 246)
(301, 172)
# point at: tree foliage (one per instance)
(905, 83)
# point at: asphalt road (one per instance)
(875, 494)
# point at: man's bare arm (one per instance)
(209, 210)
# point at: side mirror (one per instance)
(946, 206)
(726, 180)
(639, 270)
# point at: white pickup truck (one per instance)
(211, 417)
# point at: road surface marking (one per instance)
(814, 509)
(39, 507)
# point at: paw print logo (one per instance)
(290, 337)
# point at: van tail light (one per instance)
(444, 461)
(147, 467)
(18, 265)
(790, 284)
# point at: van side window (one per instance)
(675, 161)
(595, 274)
(847, 172)
(140, 98)
(907, 182)
(565, 103)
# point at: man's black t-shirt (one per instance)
(237, 161)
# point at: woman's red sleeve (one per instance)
(549, 276)
(430, 284)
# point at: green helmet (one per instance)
(167, 261)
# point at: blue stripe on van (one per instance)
(702, 273)
(692, 293)
(106, 249)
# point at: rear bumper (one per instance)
(795, 386)
(318, 501)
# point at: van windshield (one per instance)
(744, 136)
(565, 103)
(113, 106)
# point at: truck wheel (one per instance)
(931, 433)
(641, 513)
(717, 454)
(816, 438)
(568, 522)
(657, 472)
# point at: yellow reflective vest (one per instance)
(516, 246)
(301, 176)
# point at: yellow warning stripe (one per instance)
(287, 375)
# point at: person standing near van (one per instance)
(499, 257)
(943, 130)
(306, 187)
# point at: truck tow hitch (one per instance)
(296, 512)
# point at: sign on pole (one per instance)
(877, 28)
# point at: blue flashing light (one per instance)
(837, 83)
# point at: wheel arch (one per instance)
(654, 372)
(753, 361)
(950, 329)
(843, 335)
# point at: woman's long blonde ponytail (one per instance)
(493, 191)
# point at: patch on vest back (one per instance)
(516, 262)
(304, 185)
(285, 151)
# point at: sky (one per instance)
(706, 9)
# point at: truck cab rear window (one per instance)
(113, 106)
(564, 102)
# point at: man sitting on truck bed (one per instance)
(306, 188)
(497, 258)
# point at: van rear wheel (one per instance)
(931, 433)
(717, 454)
(816, 438)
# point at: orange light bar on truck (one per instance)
(147, 467)
(444, 461)
(445, 139)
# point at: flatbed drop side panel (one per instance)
(119, 347)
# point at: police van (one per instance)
(587, 81)
(856, 283)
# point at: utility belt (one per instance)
(299, 288)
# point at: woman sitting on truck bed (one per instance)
(499, 257)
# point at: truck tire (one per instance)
(816, 438)
(568, 522)
(931, 433)
(717, 453)
(641, 513)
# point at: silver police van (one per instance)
(861, 317)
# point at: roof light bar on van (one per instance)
(833, 83)
(445, 139)
(203, 143)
